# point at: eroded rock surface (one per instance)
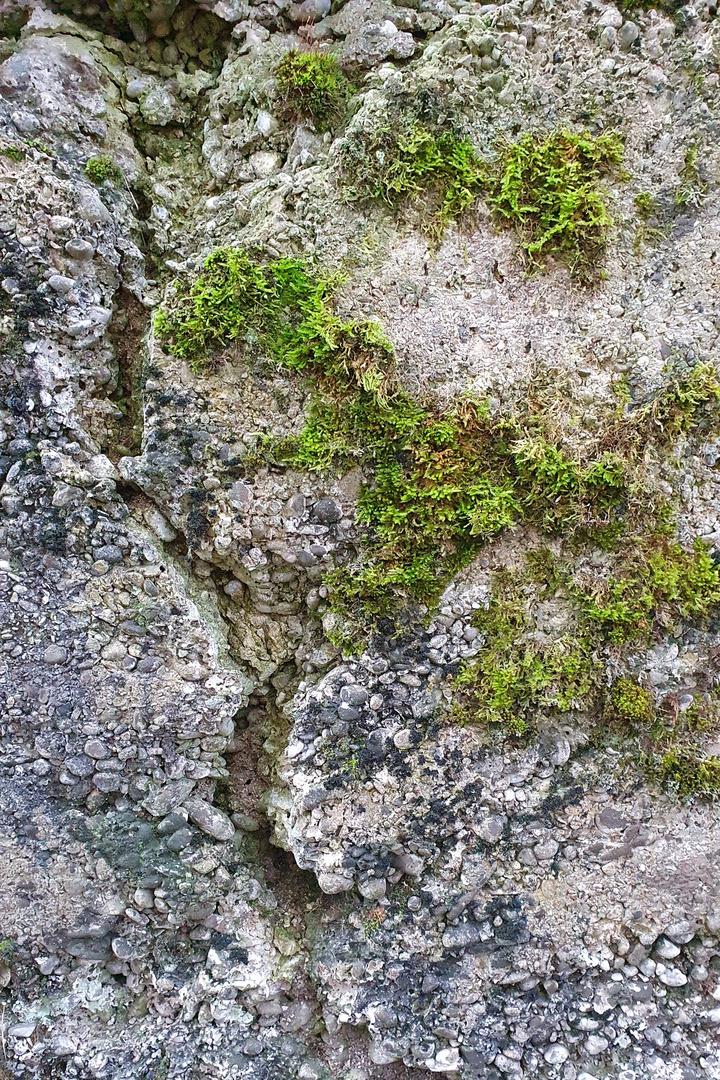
(229, 850)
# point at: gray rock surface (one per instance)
(228, 850)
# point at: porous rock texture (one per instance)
(226, 849)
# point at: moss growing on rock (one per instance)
(544, 186)
(518, 678)
(547, 189)
(394, 164)
(692, 188)
(100, 169)
(650, 583)
(631, 703)
(645, 204)
(669, 7)
(689, 402)
(283, 309)
(440, 484)
(683, 404)
(653, 582)
(15, 153)
(311, 86)
(687, 775)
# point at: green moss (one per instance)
(547, 189)
(683, 403)
(692, 188)
(688, 403)
(517, 678)
(372, 923)
(400, 162)
(668, 6)
(652, 225)
(312, 86)
(562, 494)
(687, 775)
(440, 484)
(645, 205)
(100, 169)
(650, 585)
(283, 309)
(672, 8)
(654, 580)
(631, 703)
(12, 152)
(366, 591)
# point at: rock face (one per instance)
(235, 842)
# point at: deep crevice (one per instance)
(127, 336)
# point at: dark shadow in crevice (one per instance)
(127, 336)
(14, 14)
(195, 37)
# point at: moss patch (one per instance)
(100, 169)
(12, 152)
(547, 189)
(281, 308)
(394, 164)
(692, 188)
(687, 775)
(669, 7)
(544, 186)
(654, 583)
(684, 403)
(440, 484)
(518, 678)
(645, 204)
(311, 86)
(631, 703)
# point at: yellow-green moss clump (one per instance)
(15, 153)
(100, 169)
(544, 186)
(518, 679)
(547, 189)
(440, 485)
(686, 402)
(311, 86)
(653, 582)
(645, 204)
(631, 703)
(687, 775)
(281, 308)
(396, 163)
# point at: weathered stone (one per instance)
(208, 818)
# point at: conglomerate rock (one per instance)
(229, 850)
